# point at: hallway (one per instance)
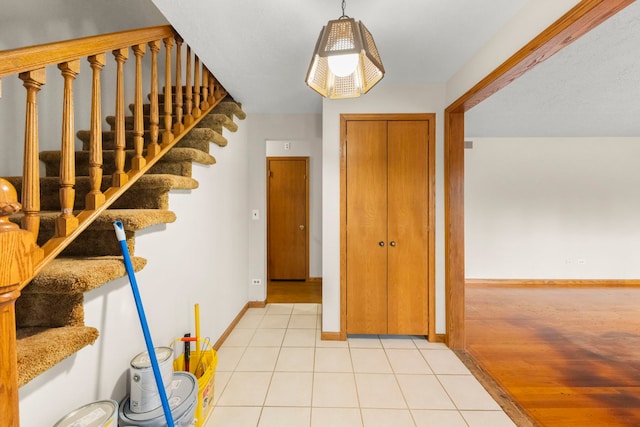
(275, 371)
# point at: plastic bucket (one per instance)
(103, 413)
(143, 389)
(205, 371)
(183, 402)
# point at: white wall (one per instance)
(201, 258)
(381, 99)
(262, 128)
(312, 149)
(552, 208)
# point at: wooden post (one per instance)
(119, 177)
(454, 226)
(188, 105)
(19, 255)
(95, 198)
(138, 161)
(33, 80)
(154, 115)
(178, 127)
(67, 222)
(167, 135)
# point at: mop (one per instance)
(119, 227)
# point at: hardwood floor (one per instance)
(566, 356)
(284, 291)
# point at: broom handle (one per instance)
(120, 234)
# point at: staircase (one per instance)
(66, 245)
(49, 314)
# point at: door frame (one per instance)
(307, 179)
(582, 18)
(431, 175)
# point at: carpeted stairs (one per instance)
(50, 313)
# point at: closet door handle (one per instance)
(392, 243)
(381, 243)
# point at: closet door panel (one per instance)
(408, 211)
(366, 224)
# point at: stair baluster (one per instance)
(212, 84)
(154, 115)
(33, 81)
(188, 105)
(196, 90)
(119, 177)
(205, 89)
(67, 222)
(138, 161)
(95, 198)
(178, 127)
(167, 136)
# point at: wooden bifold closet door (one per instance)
(387, 219)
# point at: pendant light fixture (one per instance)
(345, 62)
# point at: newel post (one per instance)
(18, 256)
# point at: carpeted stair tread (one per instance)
(78, 274)
(146, 109)
(216, 121)
(132, 219)
(211, 120)
(51, 159)
(129, 122)
(230, 108)
(227, 107)
(108, 137)
(39, 349)
(146, 193)
(201, 137)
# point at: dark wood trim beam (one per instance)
(585, 16)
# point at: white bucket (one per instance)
(142, 383)
(182, 403)
(103, 413)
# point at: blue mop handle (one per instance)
(119, 227)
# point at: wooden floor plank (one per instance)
(284, 291)
(566, 356)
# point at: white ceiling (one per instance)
(260, 50)
(266, 46)
(590, 88)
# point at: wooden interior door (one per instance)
(387, 212)
(366, 224)
(408, 223)
(287, 218)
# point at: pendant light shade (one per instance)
(345, 62)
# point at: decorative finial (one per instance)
(8, 205)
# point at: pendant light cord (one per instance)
(344, 6)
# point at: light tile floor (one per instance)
(273, 370)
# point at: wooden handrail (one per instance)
(16, 61)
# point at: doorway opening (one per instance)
(288, 232)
